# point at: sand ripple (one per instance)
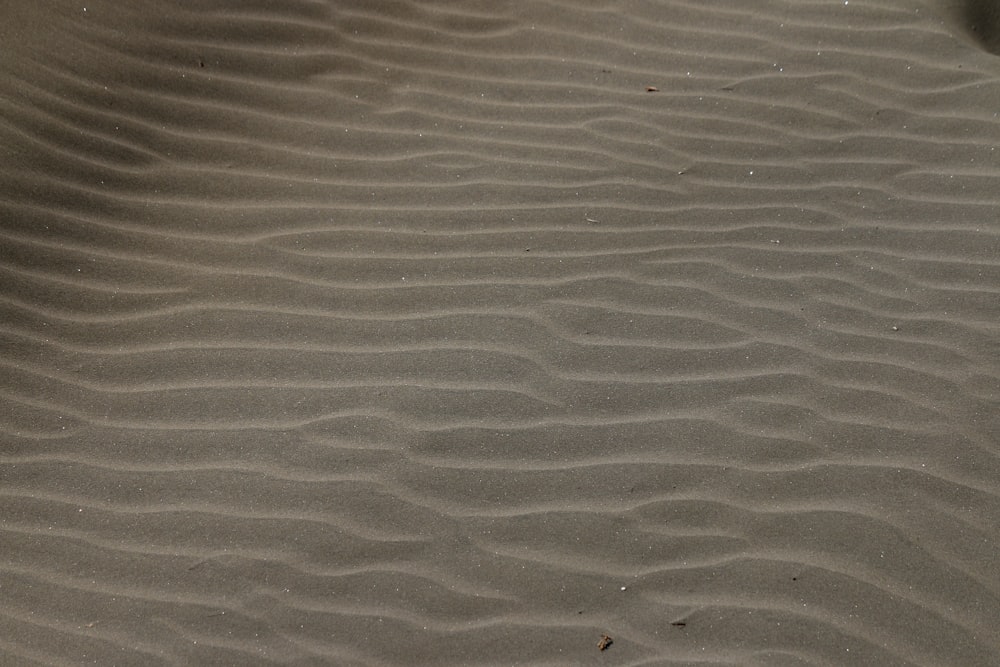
(465, 333)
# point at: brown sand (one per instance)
(425, 333)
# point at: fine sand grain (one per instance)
(491, 333)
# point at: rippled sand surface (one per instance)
(484, 333)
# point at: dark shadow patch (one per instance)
(983, 19)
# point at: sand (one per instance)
(484, 333)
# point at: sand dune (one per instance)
(469, 333)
